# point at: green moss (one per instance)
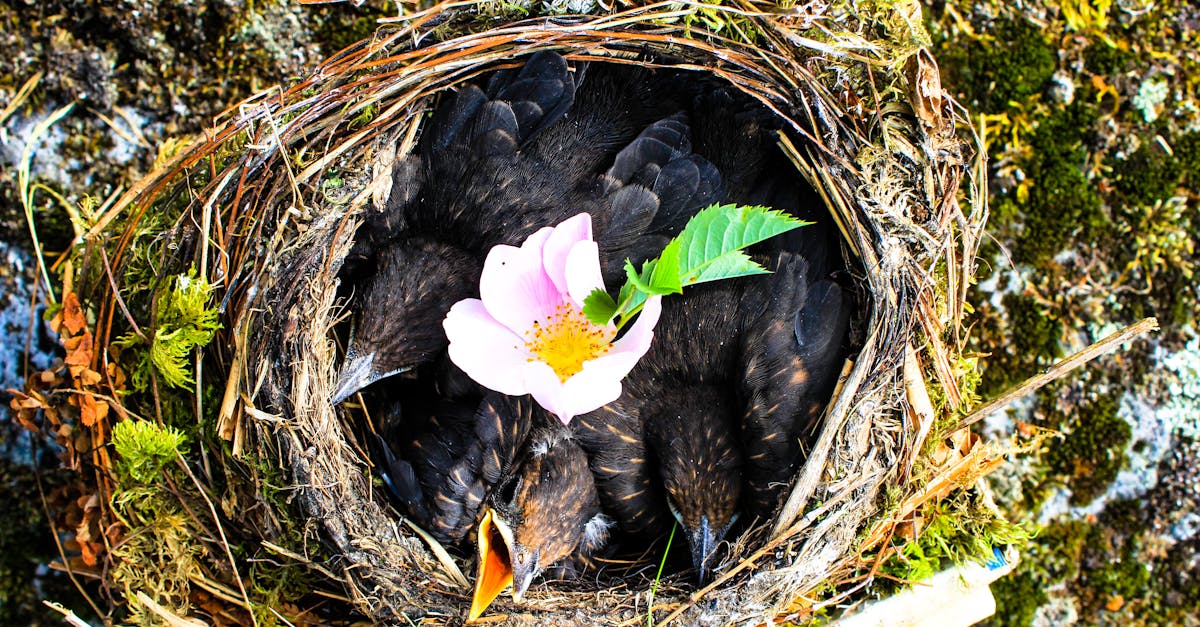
(1127, 577)
(1187, 156)
(1017, 598)
(341, 25)
(1062, 206)
(143, 449)
(1094, 448)
(1148, 175)
(1058, 551)
(184, 321)
(1011, 63)
(1101, 58)
(957, 529)
(1033, 335)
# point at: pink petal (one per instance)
(598, 384)
(583, 271)
(636, 340)
(559, 245)
(487, 351)
(591, 388)
(514, 288)
(537, 241)
(543, 384)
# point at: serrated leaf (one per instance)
(722, 229)
(599, 308)
(727, 266)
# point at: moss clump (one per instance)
(183, 322)
(1050, 559)
(340, 26)
(1059, 549)
(1033, 333)
(1148, 175)
(159, 557)
(1187, 156)
(1009, 64)
(958, 529)
(1017, 598)
(1101, 58)
(1062, 207)
(144, 448)
(1094, 449)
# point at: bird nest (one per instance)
(264, 208)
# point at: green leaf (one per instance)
(640, 282)
(727, 266)
(664, 272)
(708, 249)
(599, 307)
(720, 230)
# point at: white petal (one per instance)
(583, 271)
(559, 245)
(483, 348)
(514, 288)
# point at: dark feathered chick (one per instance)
(444, 461)
(689, 408)
(709, 435)
(797, 317)
(545, 513)
(691, 431)
(495, 166)
(791, 354)
(394, 330)
(620, 459)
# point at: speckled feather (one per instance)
(446, 462)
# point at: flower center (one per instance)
(566, 339)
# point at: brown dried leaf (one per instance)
(91, 410)
(71, 316)
(81, 353)
(927, 94)
(89, 377)
(90, 553)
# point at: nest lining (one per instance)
(269, 230)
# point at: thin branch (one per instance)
(1059, 370)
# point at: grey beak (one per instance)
(524, 570)
(703, 542)
(355, 375)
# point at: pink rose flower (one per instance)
(527, 334)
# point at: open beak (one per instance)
(495, 565)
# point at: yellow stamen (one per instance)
(566, 339)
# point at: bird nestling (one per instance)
(546, 513)
(790, 359)
(689, 409)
